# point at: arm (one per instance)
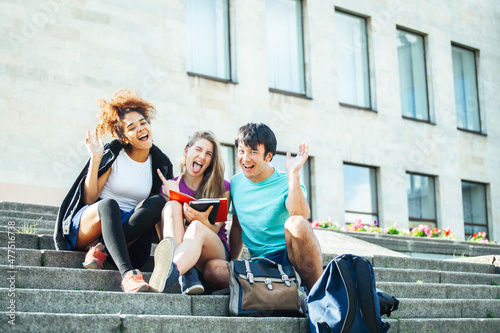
(297, 204)
(93, 185)
(235, 240)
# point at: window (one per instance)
(352, 60)
(412, 78)
(208, 38)
(278, 162)
(360, 194)
(421, 201)
(285, 45)
(227, 152)
(474, 205)
(466, 97)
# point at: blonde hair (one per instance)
(212, 185)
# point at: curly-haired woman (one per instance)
(113, 206)
(189, 239)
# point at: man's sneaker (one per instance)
(190, 283)
(303, 300)
(165, 273)
(94, 258)
(133, 282)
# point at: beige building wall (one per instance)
(58, 57)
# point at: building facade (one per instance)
(398, 100)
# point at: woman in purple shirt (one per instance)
(189, 239)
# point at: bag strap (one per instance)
(352, 300)
(249, 272)
(324, 326)
(364, 288)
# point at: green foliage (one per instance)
(28, 228)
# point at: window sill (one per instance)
(213, 78)
(357, 107)
(289, 93)
(419, 120)
(471, 132)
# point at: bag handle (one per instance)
(352, 300)
(262, 258)
(364, 287)
(284, 276)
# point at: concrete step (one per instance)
(447, 325)
(21, 207)
(30, 241)
(56, 278)
(26, 241)
(439, 290)
(28, 215)
(422, 246)
(19, 222)
(29, 229)
(431, 264)
(109, 280)
(97, 302)
(426, 276)
(55, 323)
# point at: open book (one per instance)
(218, 213)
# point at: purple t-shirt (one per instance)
(183, 188)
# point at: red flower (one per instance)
(474, 235)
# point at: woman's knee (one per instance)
(108, 205)
(155, 202)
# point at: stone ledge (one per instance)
(408, 244)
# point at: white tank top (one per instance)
(129, 182)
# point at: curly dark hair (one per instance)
(122, 101)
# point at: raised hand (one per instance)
(169, 184)
(94, 145)
(295, 164)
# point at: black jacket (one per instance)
(73, 200)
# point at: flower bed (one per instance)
(421, 231)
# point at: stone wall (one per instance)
(58, 57)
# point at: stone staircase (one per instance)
(43, 290)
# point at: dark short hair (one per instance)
(253, 134)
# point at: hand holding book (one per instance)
(218, 212)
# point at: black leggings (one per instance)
(116, 236)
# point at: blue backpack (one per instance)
(345, 299)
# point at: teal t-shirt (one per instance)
(261, 211)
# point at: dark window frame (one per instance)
(424, 38)
(475, 52)
(230, 58)
(365, 18)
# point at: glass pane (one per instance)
(474, 203)
(466, 101)
(360, 190)
(278, 162)
(352, 60)
(364, 218)
(412, 80)
(421, 200)
(208, 38)
(415, 224)
(227, 152)
(470, 229)
(285, 46)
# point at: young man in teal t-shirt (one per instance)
(270, 210)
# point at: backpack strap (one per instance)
(364, 288)
(352, 300)
(324, 326)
